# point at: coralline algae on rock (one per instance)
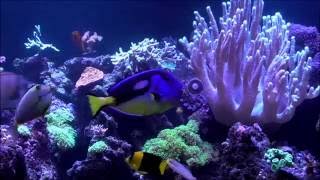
(89, 75)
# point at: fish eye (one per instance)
(156, 96)
(38, 86)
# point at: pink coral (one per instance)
(88, 76)
(2, 59)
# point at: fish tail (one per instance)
(180, 169)
(163, 166)
(96, 103)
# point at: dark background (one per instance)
(122, 22)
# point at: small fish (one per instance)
(76, 38)
(143, 94)
(145, 163)
(12, 88)
(33, 104)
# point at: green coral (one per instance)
(97, 147)
(60, 117)
(59, 128)
(64, 137)
(182, 143)
(278, 158)
(23, 130)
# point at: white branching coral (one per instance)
(250, 73)
(37, 42)
(164, 54)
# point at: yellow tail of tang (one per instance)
(96, 103)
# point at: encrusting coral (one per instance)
(59, 128)
(181, 143)
(278, 158)
(97, 147)
(306, 36)
(88, 76)
(250, 73)
(23, 130)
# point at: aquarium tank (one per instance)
(160, 89)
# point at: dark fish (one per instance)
(76, 38)
(146, 163)
(33, 104)
(12, 88)
(143, 94)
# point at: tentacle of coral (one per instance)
(251, 72)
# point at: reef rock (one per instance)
(89, 76)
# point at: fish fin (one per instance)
(38, 87)
(45, 111)
(180, 169)
(143, 172)
(163, 166)
(155, 96)
(96, 103)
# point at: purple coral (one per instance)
(305, 166)
(315, 69)
(240, 155)
(306, 36)
(11, 156)
(249, 70)
(37, 154)
(110, 164)
(37, 63)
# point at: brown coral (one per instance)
(88, 76)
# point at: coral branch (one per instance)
(37, 42)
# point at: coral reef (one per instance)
(148, 51)
(248, 70)
(244, 74)
(11, 156)
(37, 63)
(61, 133)
(181, 143)
(241, 155)
(56, 77)
(192, 100)
(306, 36)
(111, 164)
(37, 154)
(90, 168)
(315, 69)
(305, 166)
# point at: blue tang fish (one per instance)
(143, 94)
